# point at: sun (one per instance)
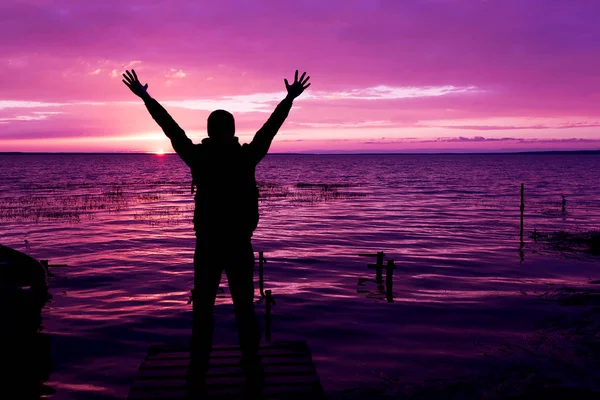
(159, 152)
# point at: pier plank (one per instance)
(289, 373)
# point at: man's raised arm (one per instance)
(181, 143)
(263, 138)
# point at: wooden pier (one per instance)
(289, 373)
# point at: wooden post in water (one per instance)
(268, 303)
(389, 274)
(379, 268)
(522, 209)
(261, 276)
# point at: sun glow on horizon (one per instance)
(159, 152)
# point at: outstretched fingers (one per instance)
(128, 80)
(128, 77)
(131, 78)
(296, 76)
(303, 81)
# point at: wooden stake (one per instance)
(378, 266)
(261, 277)
(522, 208)
(268, 303)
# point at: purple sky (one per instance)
(413, 75)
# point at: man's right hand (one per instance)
(133, 83)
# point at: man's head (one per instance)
(221, 125)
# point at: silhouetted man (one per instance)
(225, 218)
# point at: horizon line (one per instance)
(596, 151)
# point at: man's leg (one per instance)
(207, 276)
(240, 275)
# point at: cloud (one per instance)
(481, 139)
(263, 102)
(493, 128)
(175, 73)
(4, 104)
(548, 123)
(27, 104)
(344, 125)
(513, 139)
(24, 118)
(131, 64)
(384, 92)
(33, 116)
(260, 102)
